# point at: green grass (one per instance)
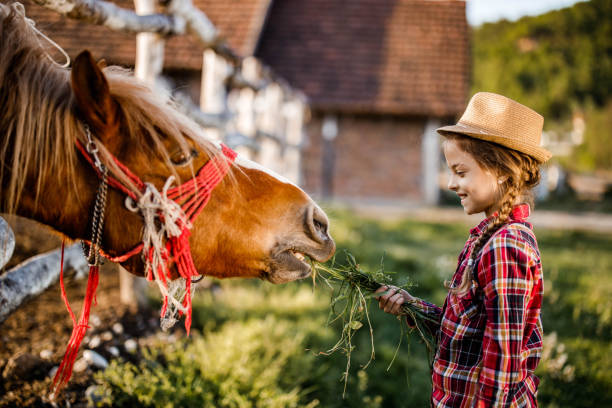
(256, 344)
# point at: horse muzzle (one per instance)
(293, 261)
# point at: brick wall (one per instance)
(373, 157)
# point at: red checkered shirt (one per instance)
(490, 339)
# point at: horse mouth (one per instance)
(289, 265)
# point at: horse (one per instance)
(66, 133)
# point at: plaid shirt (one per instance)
(490, 339)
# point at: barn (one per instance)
(379, 77)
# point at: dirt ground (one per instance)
(34, 338)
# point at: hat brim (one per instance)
(539, 153)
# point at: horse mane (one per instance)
(39, 123)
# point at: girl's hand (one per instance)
(392, 301)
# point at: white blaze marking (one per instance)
(249, 164)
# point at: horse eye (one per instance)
(181, 157)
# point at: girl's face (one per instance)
(477, 188)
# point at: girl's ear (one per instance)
(94, 102)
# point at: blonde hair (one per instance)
(519, 172)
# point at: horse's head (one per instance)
(256, 224)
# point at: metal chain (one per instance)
(97, 222)
(92, 252)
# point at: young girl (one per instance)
(490, 332)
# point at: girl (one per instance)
(489, 333)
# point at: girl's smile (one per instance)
(477, 188)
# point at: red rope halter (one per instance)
(192, 196)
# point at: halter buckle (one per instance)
(92, 149)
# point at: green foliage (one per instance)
(260, 344)
(596, 151)
(557, 63)
(353, 287)
(257, 363)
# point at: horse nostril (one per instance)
(317, 224)
(320, 226)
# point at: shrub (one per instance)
(258, 363)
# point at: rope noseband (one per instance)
(167, 222)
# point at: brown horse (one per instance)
(255, 225)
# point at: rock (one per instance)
(162, 336)
(118, 328)
(80, 365)
(130, 345)
(95, 342)
(95, 394)
(46, 354)
(95, 359)
(49, 400)
(114, 351)
(94, 320)
(24, 366)
(53, 371)
(107, 336)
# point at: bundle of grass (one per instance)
(352, 289)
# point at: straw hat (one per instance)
(501, 120)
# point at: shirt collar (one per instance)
(519, 213)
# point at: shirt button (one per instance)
(506, 389)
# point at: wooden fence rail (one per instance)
(32, 277)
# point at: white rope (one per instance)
(21, 10)
(176, 290)
(162, 218)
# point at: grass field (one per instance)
(258, 345)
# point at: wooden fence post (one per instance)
(149, 48)
(242, 101)
(213, 94)
(293, 112)
(148, 67)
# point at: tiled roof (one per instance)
(239, 22)
(380, 56)
(391, 56)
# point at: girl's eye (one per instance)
(181, 157)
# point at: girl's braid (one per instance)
(521, 172)
(504, 213)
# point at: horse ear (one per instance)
(94, 101)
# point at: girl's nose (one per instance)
(452, 183)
